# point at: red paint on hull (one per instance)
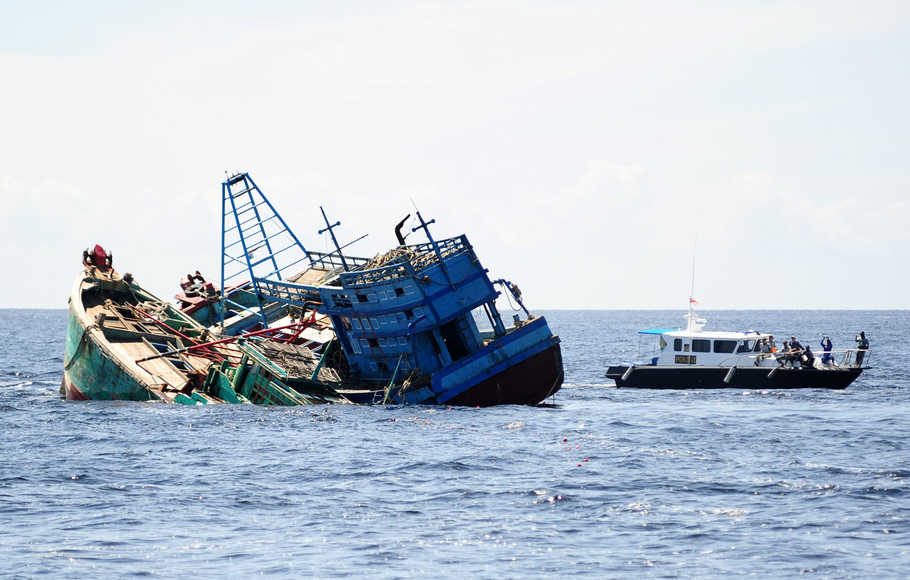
(71, 392)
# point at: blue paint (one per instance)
(657, 331)
(413, 313)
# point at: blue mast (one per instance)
(250, 239)
(331, 230)
(425, 226)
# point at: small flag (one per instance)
(692, 300)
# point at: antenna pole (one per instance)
(425, 226)
(691, 317)
(329, 228)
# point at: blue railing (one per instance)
(399, 268)
(333, 260)
(422, 256)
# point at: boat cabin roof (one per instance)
(713, 334)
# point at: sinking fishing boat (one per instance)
(693, 358)
(404, 320)
(123, 343)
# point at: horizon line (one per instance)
(616, 308)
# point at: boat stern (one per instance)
(523, 367)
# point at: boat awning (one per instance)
(657, 330)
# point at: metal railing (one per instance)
(399, 268)
(849, 358)
(446, 247)
(333, 260)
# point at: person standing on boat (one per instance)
(796, 350)
(862, 345)
(827, 357)
(764, 348)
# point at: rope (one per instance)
(82, 341)
(388, 389)
(508, 294)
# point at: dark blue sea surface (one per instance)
(606, 482)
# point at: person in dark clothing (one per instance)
(795, 350)
(784, 357)
(827, 345)
(862, 345)
(808, 359)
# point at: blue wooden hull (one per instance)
(405, 319)
(524, 367)
(528, 382)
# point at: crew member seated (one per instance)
(796, 351)
(808, 359)
(784, 357)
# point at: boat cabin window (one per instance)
(724, 346)
(677, 344)
(663, 343)
(745, 346)
(701, 345)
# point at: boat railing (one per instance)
(333, 260)
(288, 292)
(855, 357)
(398, 268)
(446, 247)
(408, 261)
(845, 358)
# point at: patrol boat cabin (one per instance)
(695, 346)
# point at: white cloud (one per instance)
(571, 141)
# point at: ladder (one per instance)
(256, 243)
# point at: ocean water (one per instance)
(604, 482)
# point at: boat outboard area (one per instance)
(695, 358)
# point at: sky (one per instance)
(588, 149)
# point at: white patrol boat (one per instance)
(697, 359)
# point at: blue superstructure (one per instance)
(405, 319)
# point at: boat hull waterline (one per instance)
(725, 377)
(529, 382)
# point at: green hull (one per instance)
(109, 335)
(91, 373)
